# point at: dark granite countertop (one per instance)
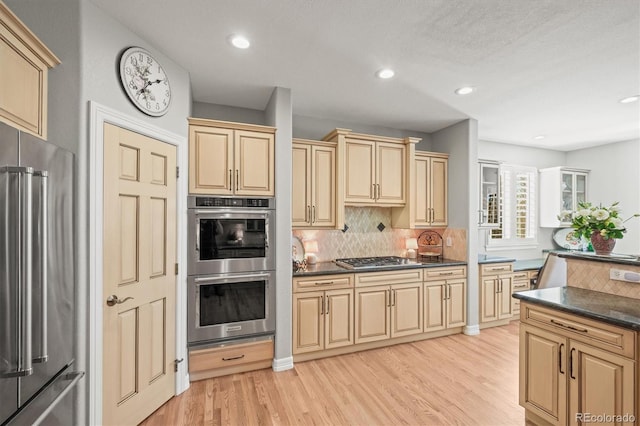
(608, 308)
(527, 264)
(621, 259)
(485, 258)
(326, 268)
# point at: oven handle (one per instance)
(226, 214)
(234, 277)
(197, 236)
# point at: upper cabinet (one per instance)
(24, 63)
(313, 196)
(489, 208)
(231, 158)
(563, 189)
(427, 179)
(371, 170)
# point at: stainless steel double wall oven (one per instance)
(231, 268)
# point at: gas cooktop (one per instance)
(373, 262)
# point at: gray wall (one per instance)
(228, 113)
(614, 176)
(522, 156)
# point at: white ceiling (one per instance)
(551, 67)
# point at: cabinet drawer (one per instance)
(230, 355)
(435, 274)
(521, 286)
(391, 277)
(520, 275)
(496, 268)
(609, 337)
(322, 282)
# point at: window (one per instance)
(517, 221)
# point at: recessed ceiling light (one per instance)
(465, 90)
(385, 73)
(239, 41)
(539, 137)
(630, 99)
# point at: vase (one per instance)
(602, 245)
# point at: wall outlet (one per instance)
(622, 275)
(449, 243)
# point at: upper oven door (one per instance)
(224, 240)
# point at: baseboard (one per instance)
(471, 330)
(282, 364)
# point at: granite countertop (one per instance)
(608, 308)
(527, 264)
(622, 259)
(326, 268)
(485, 258)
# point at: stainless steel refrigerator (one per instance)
(37, 283)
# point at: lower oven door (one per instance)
(230, 305)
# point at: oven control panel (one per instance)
(232, 202)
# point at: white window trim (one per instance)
(524, 243)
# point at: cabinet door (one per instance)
(456, 303)
(488, 304)
(543, 374)
(505, 289)
(372, 314)
(390, 172)
(438, 191)
(599, 383)
(308, 324)
(435, 314)
(323, 186)
(489, 195)
(580, 186)
(338, 319)
(360, 172)
(210, 160)
(301, 185)
(420, 207)
(406, 309)
(254, 163)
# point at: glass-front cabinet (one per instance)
(489, 208)
(561, 189)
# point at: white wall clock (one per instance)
(145, 81)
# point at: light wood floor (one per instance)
(465, 380)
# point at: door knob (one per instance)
(113, 300)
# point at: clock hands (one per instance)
(149, 83)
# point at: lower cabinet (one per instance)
(445, 298)
(322, 313)
(521, 282)
(384, 312)
(566, 374)
(496, 287)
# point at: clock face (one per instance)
(145, 81)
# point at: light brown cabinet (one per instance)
(571, 365)
(430, 206)
(445, 298)
(313, 196)
(375, 172)
(521, 282)
(496, 287)
(25, 62)
(231, 158)
(388, 305)
(323, 313)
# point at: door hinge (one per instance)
(175, 364)
(177, 172)
(176, 269)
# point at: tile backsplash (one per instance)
(363, 237)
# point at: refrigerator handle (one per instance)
(40, 237)
(16, 217)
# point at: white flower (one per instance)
(601, 214)
(583, 213)
(614, 209)
(603, 232)
(565, 214)
(617, 222)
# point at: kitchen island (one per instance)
(579, 344)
